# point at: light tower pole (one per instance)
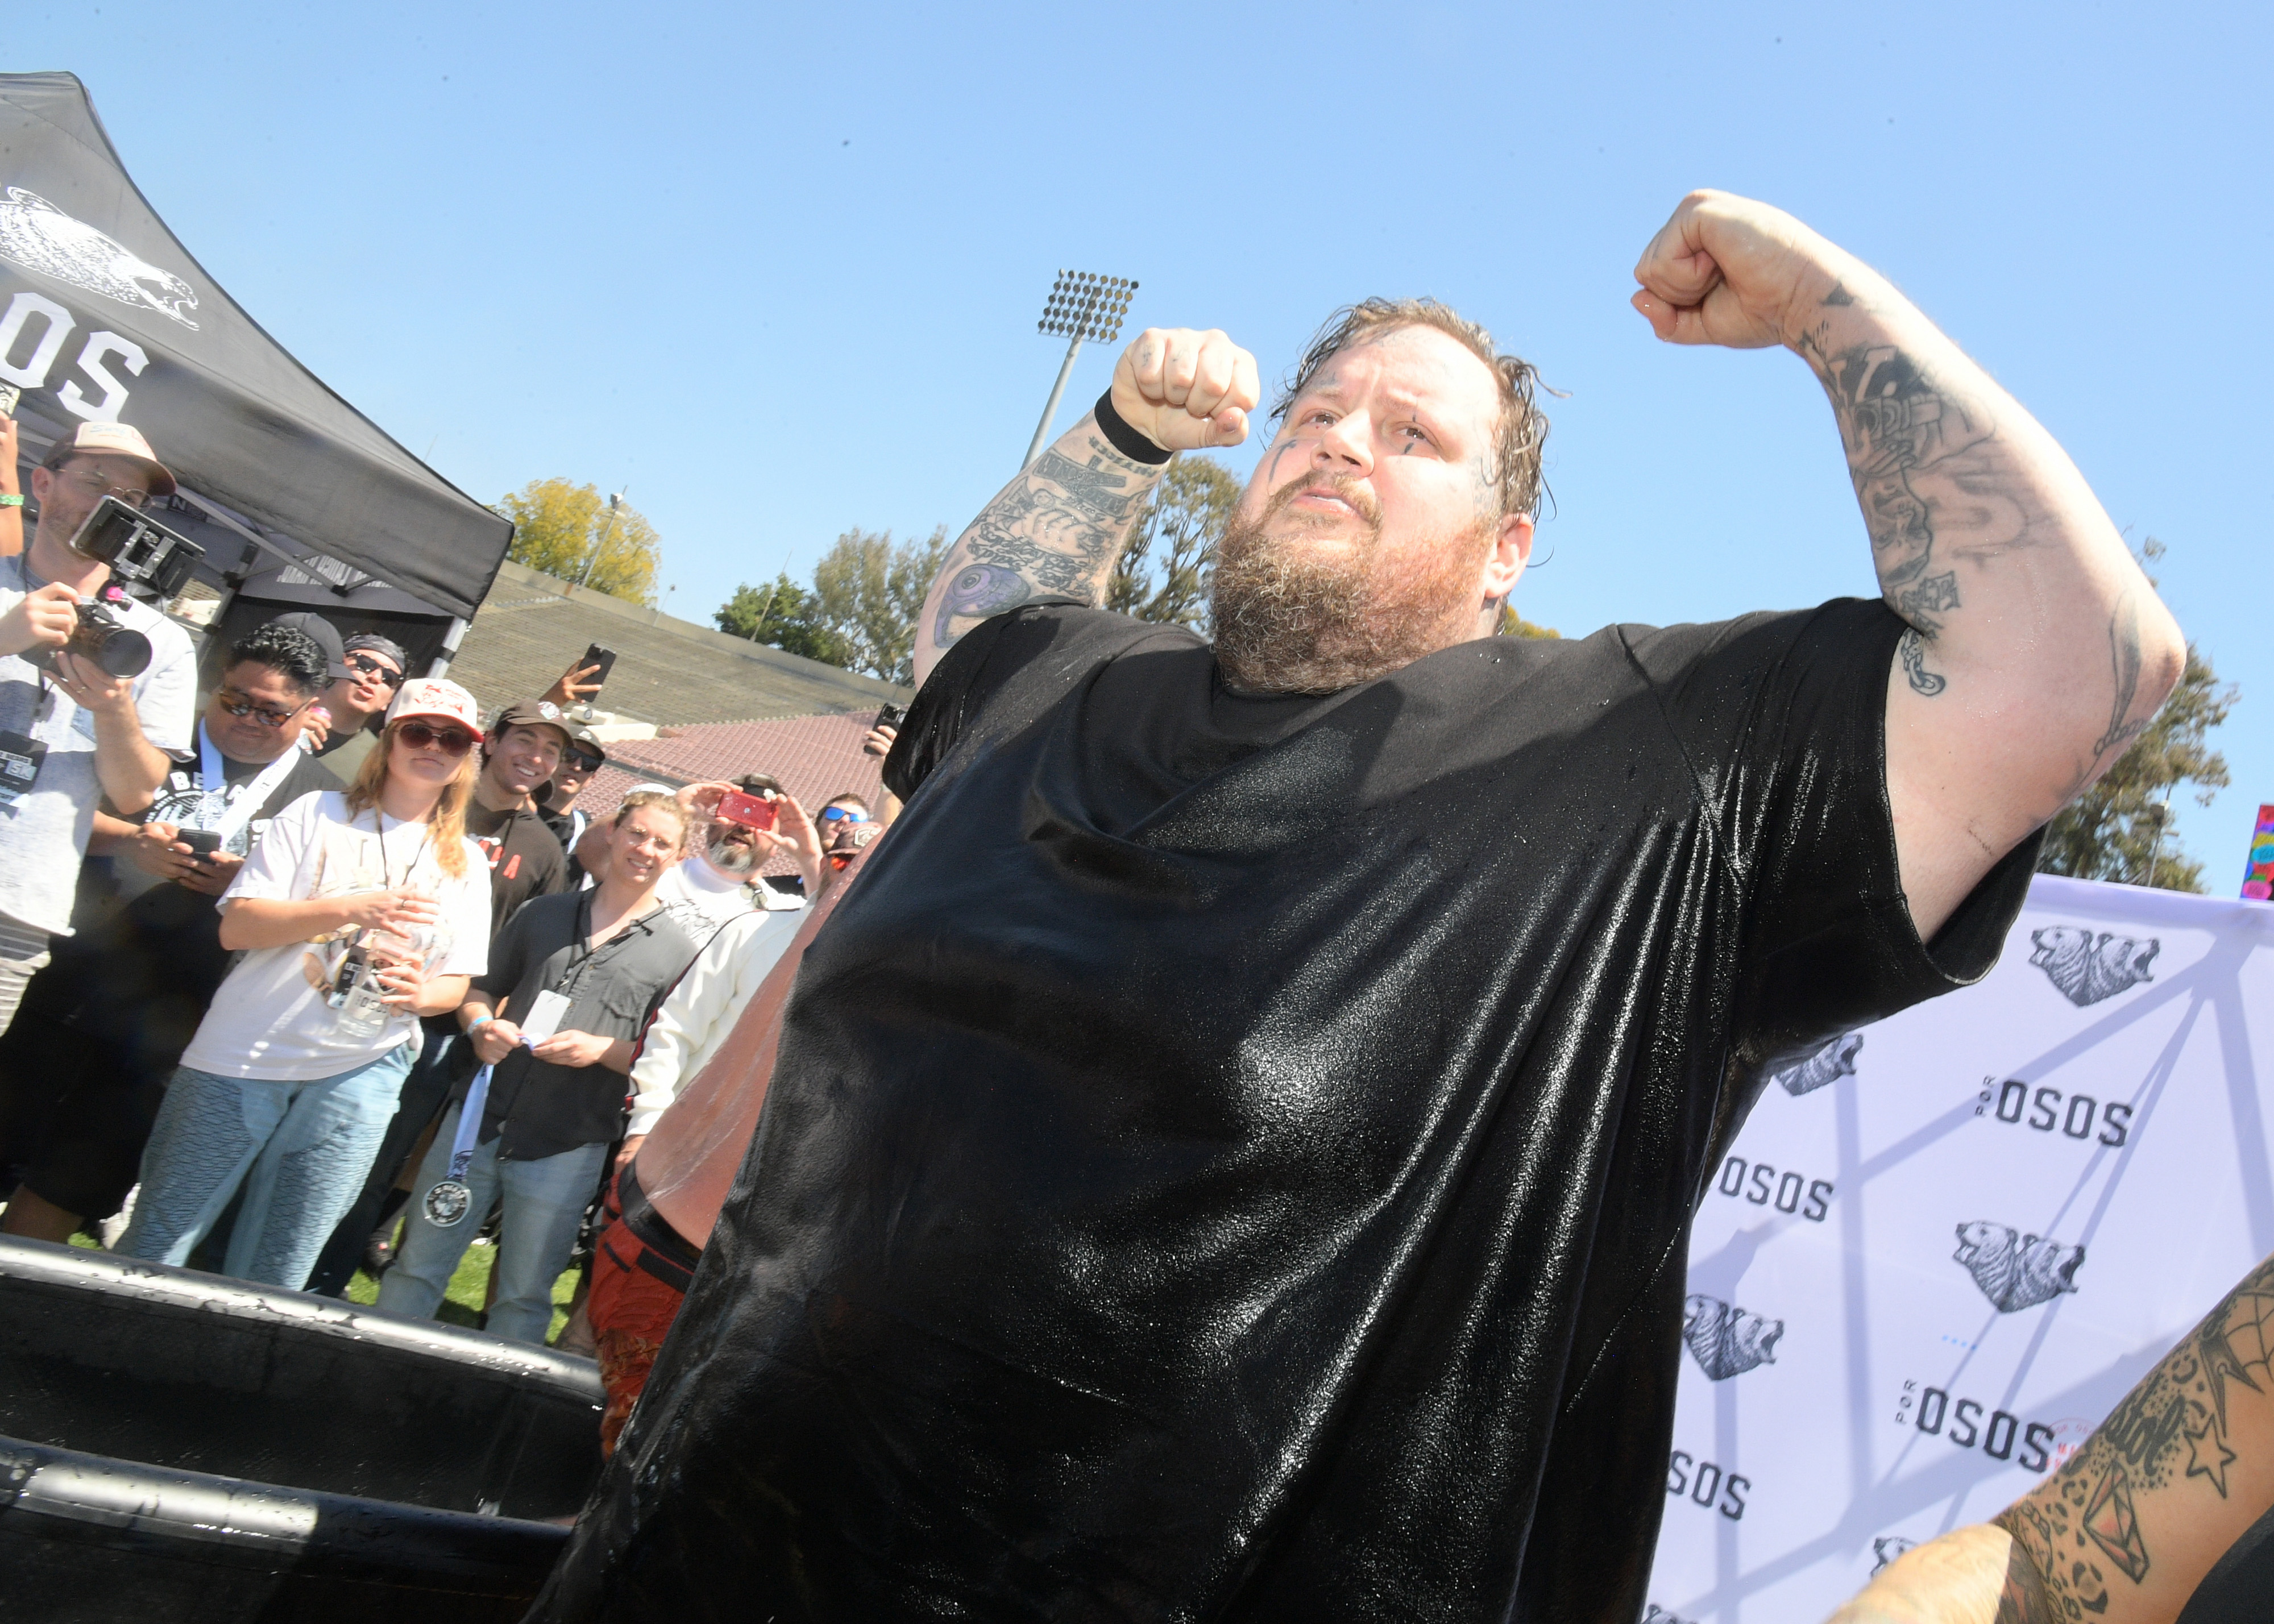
(1082, 306)
(592, 562)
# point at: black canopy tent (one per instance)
(296, 496)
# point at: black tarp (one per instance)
(104, 314)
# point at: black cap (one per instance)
(327, 637)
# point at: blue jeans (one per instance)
(545, 1200)
(300, 1149)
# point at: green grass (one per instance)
(462, 1302)
(470, 1284)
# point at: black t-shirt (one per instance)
(142, 976)
(526, 859)
(1232, 1158)
(539, 1107)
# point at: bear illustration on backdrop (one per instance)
(2013, 1270)
(1827, 1062)
(1726, 1340)
(2087, 967)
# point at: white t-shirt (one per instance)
(703, 896)
(269, 1021)
(43, 834)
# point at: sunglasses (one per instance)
(449, 741)
(370, 668)
(847, 814)
(588, 763)
(236, 704)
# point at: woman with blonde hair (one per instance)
(359, 912)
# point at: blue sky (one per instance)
(779, 269)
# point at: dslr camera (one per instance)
(143, 554)
(98, 639)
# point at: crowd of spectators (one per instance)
(318, 958)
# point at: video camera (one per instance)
(143, 554)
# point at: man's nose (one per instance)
(1347, 447)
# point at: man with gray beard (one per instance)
(1232, 1152)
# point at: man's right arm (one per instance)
(1053, 533)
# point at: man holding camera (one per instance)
(84, 1068)
(1231, 1155)
(752, 821)
(69, 734)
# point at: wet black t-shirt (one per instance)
(1232, 1158)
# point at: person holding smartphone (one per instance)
(751, 821)
(84, 1067)
(356, 913)
(572, 981)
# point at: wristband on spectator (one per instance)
(478, 1025)
(1126, 441)
(11, 499)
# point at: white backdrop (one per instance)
(1945, 1245)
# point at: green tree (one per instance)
(1163, 574)
(1514, 625)
(784, 616)
(563, 528)
(2117, 829)
(869, 590)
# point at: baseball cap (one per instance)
(436, 696)
(534, 713)
(115, 440)
(585, 739)
(327, 637)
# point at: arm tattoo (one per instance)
(2082, 1527)
(1911, 449)
(1054, 531)
(2022, 1600)
(2124, 656)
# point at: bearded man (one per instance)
(1232, 1155)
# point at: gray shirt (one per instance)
(541, 1108)
(43, 834)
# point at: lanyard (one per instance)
(469, 1125)
(386, 874)
(212, 780)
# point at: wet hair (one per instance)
(1523, 430)
(287, 650)
(445, 824)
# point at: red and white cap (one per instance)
(437, 697)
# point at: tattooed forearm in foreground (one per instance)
(2130, 1523)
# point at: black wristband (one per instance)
(1123, 438)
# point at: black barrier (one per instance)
(87, 1540)
(197, 1372)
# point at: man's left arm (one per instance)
(2037, 650)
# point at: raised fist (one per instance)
(1184, 390)
(1726, 270)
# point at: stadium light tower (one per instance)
(1082, 306)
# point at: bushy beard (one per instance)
(1289, 619)
(731, 857)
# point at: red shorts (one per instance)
(631, 1311)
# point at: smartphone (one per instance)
(889, 716)
(750, 811)
(600, 655)
(204, 842)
